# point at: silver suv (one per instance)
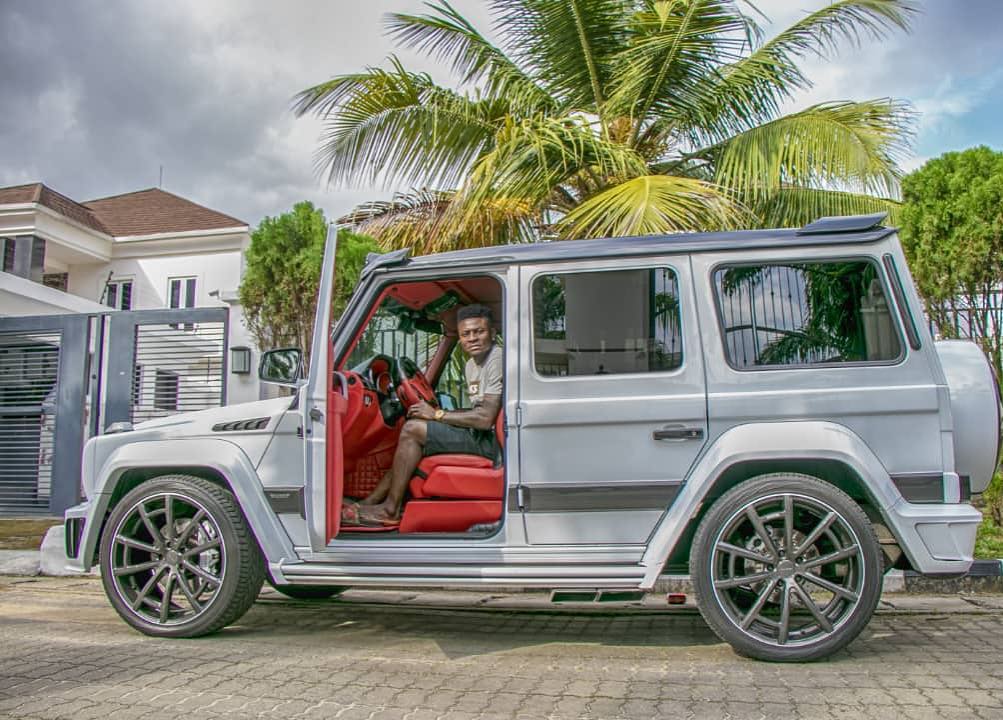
(765, 410)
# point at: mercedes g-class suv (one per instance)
(766, 410)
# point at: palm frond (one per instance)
(395, 126)
(852, 146)
(652, 204)
(744, 93)
(795, 207)
(672, 49)
(427, 221)
(569, 44)
(531, 158)
(445, 34)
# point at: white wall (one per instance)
(213, 271)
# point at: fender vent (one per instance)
(237, 425)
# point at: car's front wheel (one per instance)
(786, 568)
(177, 558)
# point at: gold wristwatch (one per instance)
(439, 414)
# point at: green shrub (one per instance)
(993, 500)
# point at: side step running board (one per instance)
(599, 596)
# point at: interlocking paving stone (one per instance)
(65, 654)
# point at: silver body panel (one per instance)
(572, 441)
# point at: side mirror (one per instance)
(283, 366)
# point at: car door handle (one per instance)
(678, 433)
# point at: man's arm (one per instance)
(481, 417)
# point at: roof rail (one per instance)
(843, 224)
(378, 260)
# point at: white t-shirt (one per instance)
(487, 378)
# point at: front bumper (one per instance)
(938, 539)
(81, 536)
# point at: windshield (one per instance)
(396, 332)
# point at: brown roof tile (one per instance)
(152, 211)
(44, 195)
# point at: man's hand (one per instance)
(421, 411)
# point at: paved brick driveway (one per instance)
(65, 654)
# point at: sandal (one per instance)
(352, 516)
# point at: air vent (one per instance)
(241, 425)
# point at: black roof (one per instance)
(864, 230)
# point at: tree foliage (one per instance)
(609, 117)
(282, 275)
(952, 232)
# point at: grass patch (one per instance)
(24, 533)
(989, 541)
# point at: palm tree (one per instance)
(594, 118)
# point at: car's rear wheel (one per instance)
(786, 568)
(177, 558)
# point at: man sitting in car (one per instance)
(433, 431)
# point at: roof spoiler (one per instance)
(843, 224)
(378, 260)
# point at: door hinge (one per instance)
(520, 497)
(518, 415)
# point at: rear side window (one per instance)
(606, 323)
(805, 314)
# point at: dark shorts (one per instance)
(445, 439)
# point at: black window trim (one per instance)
(912, 333)
(559, 269)
(719, 312)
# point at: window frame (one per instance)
(658, 264)
(182, 291)
(117, 284)
(881, 276)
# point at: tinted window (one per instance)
(606, 323)
(805, 314)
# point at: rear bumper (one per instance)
(938, 539)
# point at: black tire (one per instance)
(308, 592)
(178, 559)
(812, 552)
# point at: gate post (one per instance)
(69, 426)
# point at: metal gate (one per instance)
(43, 380)
(162, 362)
(59, 371)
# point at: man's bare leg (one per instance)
(409, 452)
(379, 492)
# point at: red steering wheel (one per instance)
(412, 385)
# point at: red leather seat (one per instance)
(453, 492)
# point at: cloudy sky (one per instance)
(99, 96)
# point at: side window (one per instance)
(805, 314)
(606, 323)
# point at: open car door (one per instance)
(323, 405)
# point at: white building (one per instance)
(142, 250)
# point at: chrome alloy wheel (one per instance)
(167, 559)
(787, 569)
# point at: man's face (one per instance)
(475, 336)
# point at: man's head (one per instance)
(473, 323)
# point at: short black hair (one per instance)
(475, 311)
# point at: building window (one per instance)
(56, 281)
(8, 254)
(118, 295)
(137, 385)
(181, 293)
(165, 390)
(805, 314)
(606, 323)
